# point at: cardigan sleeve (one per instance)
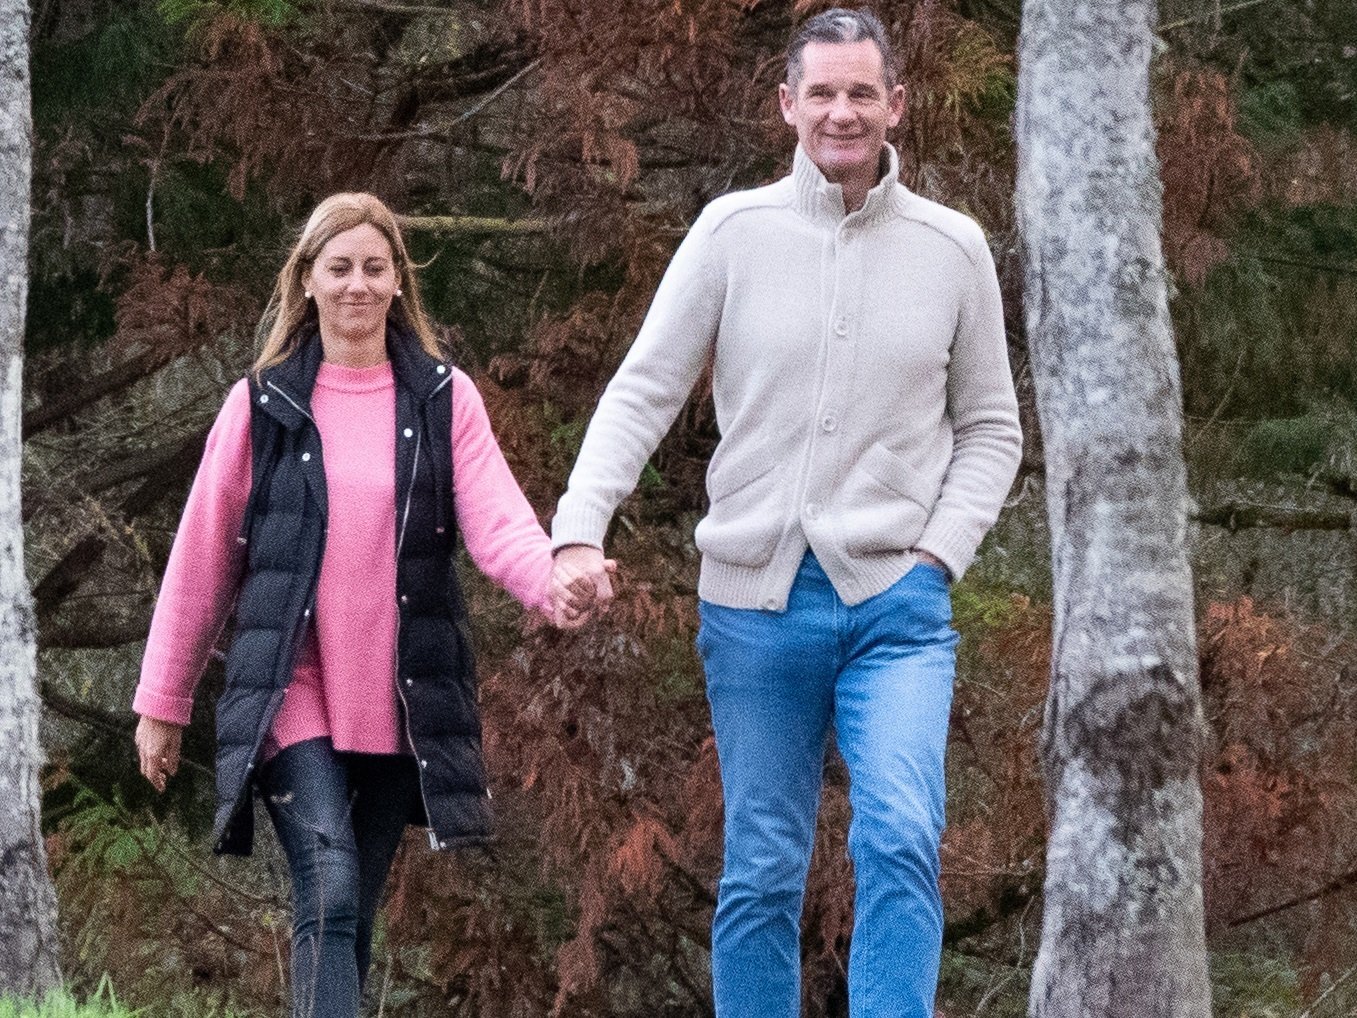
(203, 574)
(987, 439)
(648, 390)
(501, 532)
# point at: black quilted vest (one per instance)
(284, 541)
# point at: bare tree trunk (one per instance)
(1123, 933)
(28, 941)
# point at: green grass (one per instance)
(61, 1004)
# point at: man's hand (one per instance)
(158, 748)
(581, 583)
(932, 560)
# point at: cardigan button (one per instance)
(409, 433)
(424, 763)
(841, 327)
(306, 457)
(405, 599)
(263, 397)
(441, 369)
(409, 682)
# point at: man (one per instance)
(869, 433)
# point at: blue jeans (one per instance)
(881, 672)
(339, 817)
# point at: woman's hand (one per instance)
(158, 748)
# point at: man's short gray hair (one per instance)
(839, 25)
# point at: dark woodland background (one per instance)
(550, 155)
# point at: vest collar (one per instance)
(294, 379)
(414, 369)
(821, 201)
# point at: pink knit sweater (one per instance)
(344, 683)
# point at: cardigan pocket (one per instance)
(745, 520)
(885, 504)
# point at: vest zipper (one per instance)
(296, 406)
(298, 633)
(400, 543)
(400, 692)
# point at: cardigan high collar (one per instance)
(822, 201)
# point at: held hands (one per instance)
(581, 584)
(158, 748)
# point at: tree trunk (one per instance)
(1123, 932)
(28, 940)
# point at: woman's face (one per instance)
(353, 281)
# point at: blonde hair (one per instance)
(287, 307)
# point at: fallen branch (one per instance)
(1339, 883)
(1242, 515)
(95, 387)
(91, 633)
(164, 478)
(474, 225)
(140, 464)
(1012, 898)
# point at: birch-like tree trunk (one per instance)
(28, 940)
(1123, 932)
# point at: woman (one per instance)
(326, 509)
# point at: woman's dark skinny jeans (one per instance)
(339, 817)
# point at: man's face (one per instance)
(841, 108)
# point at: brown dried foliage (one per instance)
(1210, 171)
(169, 309)
(1281, 775)
(995, 840)
(635, 123)
(1319, 168)
(301, 121)
(598, 897)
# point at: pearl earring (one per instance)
(398, 291)
(308, 294)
